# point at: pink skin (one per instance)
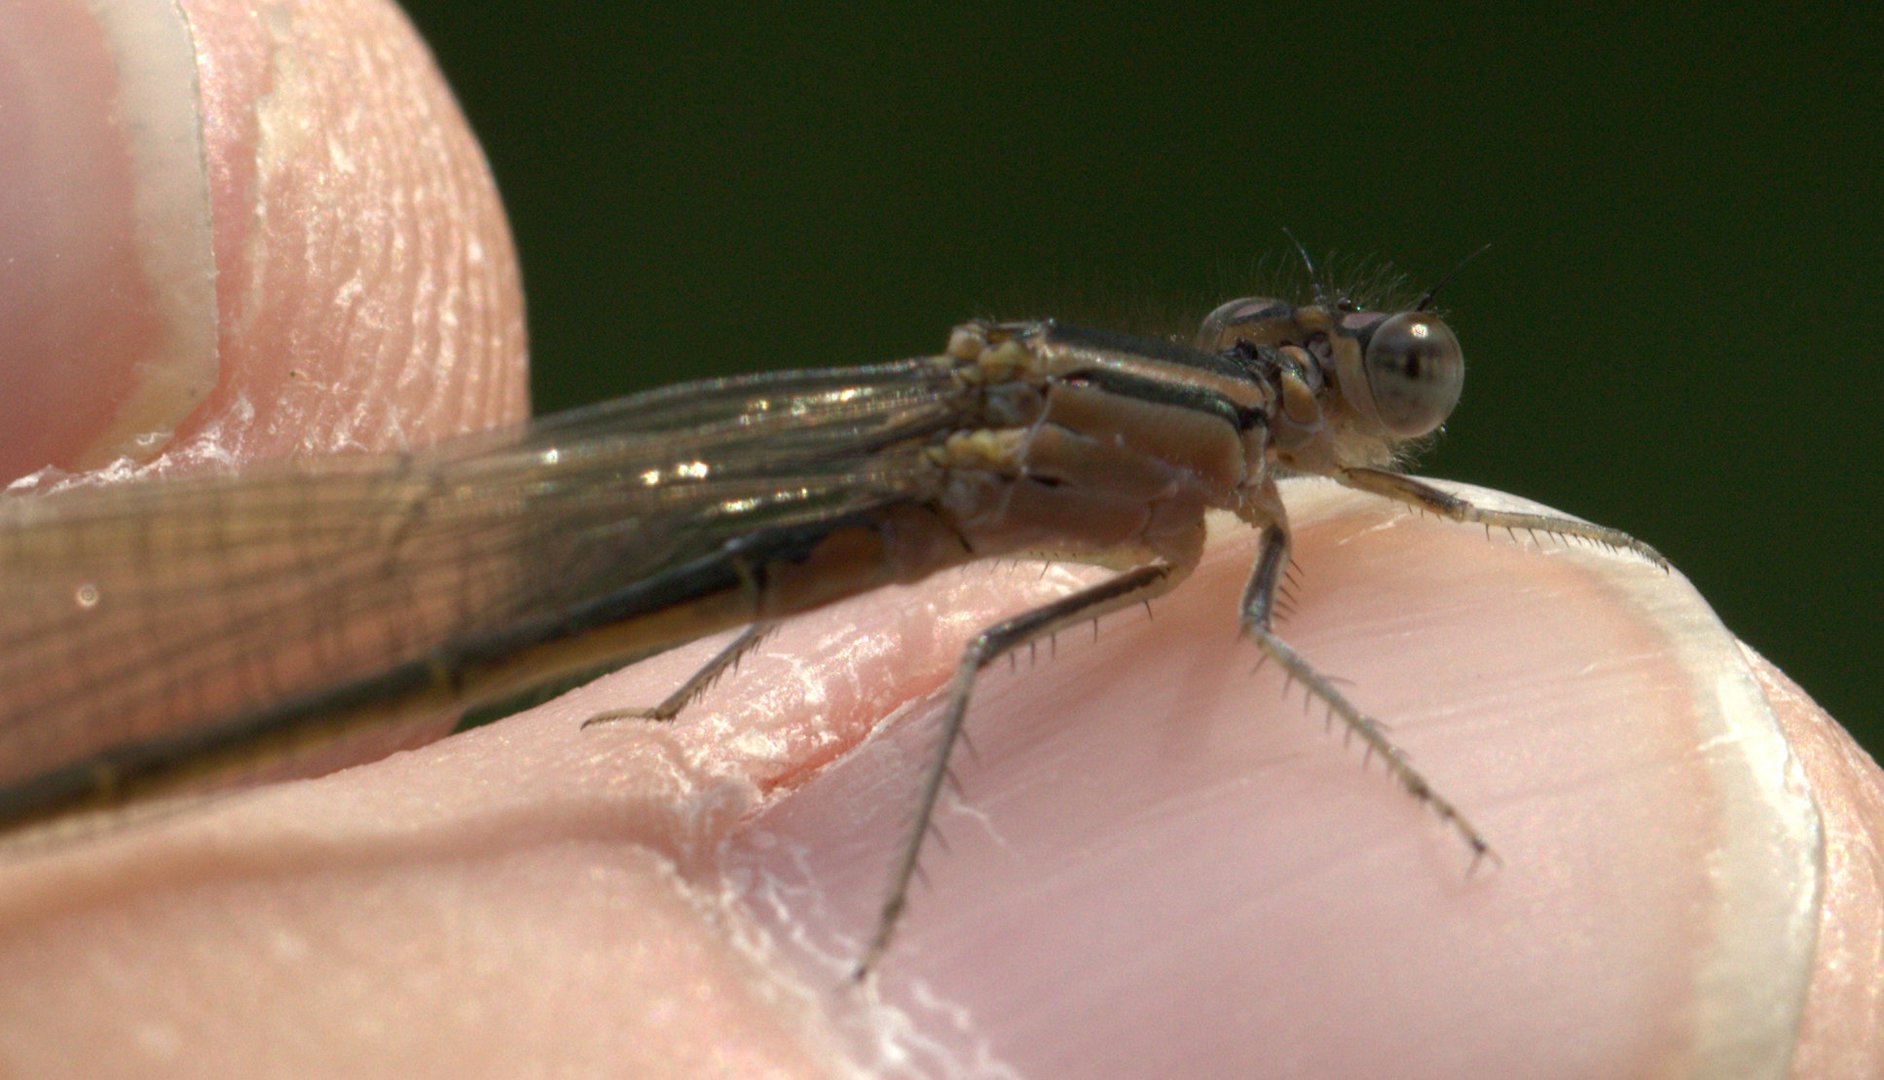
(1158, 867)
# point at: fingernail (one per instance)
(107, 279)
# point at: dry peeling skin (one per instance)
(1160, 866)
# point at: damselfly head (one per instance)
(1395, 375)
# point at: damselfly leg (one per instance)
(1128, 589)
(698, 683)
(1423, 496)
(1258, 610)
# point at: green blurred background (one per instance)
(1677, 332)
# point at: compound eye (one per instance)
(1253, 320)
(1415, 371)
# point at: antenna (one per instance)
(1314, 276)
(1431, 294)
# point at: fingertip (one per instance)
(1842, 1031)
(367, 286)
(104, 229)
(1149, 828)
(242, 234)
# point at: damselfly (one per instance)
(157, 637)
